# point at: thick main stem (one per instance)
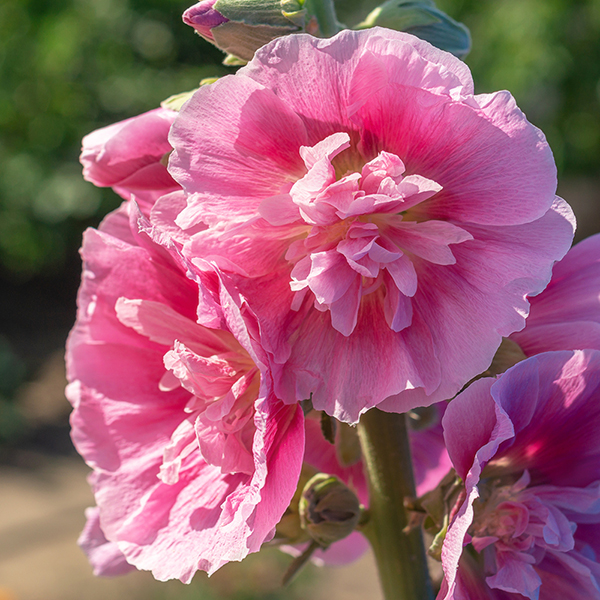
(400, 556)
(324, 12)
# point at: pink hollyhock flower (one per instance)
(383, 222)
(527, 446)
(128, 156)
(566, 315)
(194, 459)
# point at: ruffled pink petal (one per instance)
(325, 110)
(318, 363)
(488, 426)
(330, 276)
(429, 240)
(566, 315)
(127, 155)
(517, 577)
(480, 269)
(131, 425)
(104, 556)
(494, 149)
(249, 156)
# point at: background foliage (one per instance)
(68, 67)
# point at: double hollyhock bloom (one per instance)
(383, 222)
(130, 156)
(527, 446)
(194, 459)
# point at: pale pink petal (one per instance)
(127, 155)
(429, 240)
(250, 156)
(488, 426)
(517, 577)
(330, 276)
(499, 154)
(105, 557)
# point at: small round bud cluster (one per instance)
(329, 510)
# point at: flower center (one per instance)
(517, 525)
(357, 238)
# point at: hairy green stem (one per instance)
(400, 556)
(324, 12)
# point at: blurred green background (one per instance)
(68, 67)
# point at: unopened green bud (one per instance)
(329, 510)
(424, 20)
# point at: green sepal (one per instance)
(243, 40)
(234, 61)
(176, 101)
(271, 13)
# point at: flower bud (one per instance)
(424, 20)
(203, 17)
(127, 156)
(329, 510)
(240, 27)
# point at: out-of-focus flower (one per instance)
(194, 459)
(424, 20)
(384, 223)
(527, 446)
(130, 156)
(566, 315)
(239, 27)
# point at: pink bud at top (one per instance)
(129, 156)
(203, 17)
